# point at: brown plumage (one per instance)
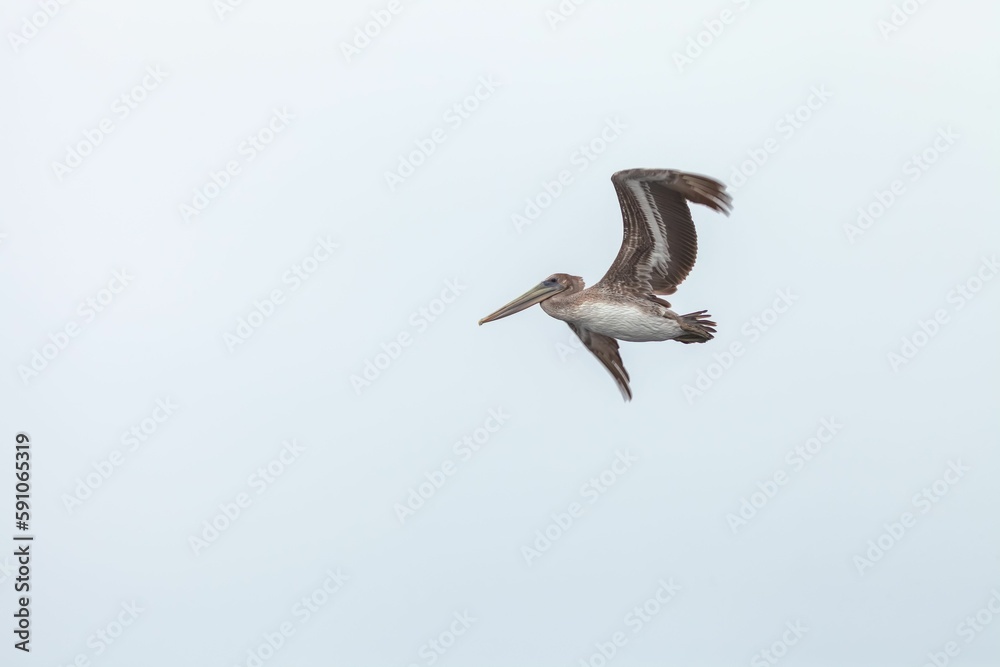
(664, 193)
(658, 250)
(605, 348)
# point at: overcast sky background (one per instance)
(879, 96)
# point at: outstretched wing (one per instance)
(659, 244)
(605, 349)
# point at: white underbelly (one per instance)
(626, 322)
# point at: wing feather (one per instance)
(659, 244)
(605, 349)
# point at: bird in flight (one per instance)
(658, 250)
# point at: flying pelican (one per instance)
(658, 251)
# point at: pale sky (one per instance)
(244, 250)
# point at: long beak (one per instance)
(536, 294)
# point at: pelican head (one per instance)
(548, 288)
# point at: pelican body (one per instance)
(658, 251)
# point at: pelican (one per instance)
(658, 250)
